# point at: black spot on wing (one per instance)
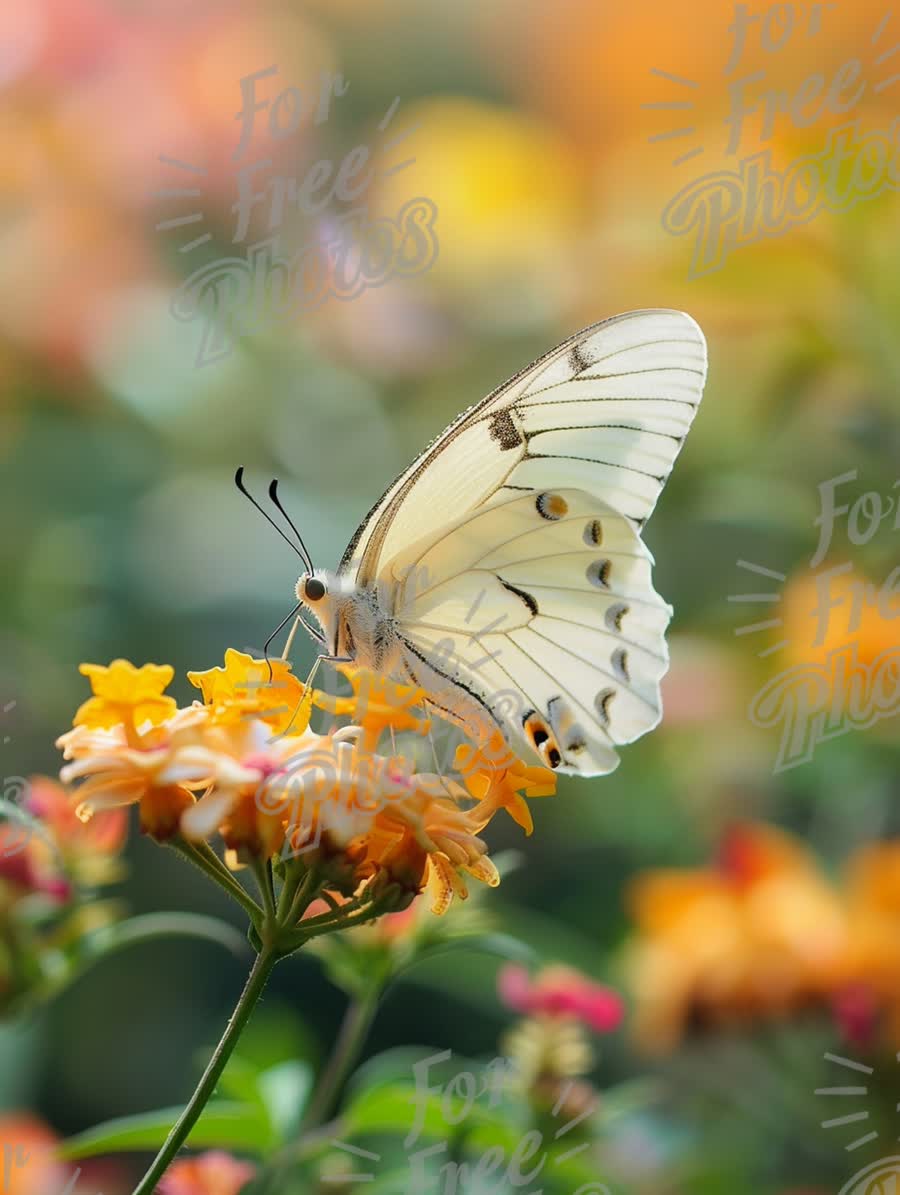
(503, 429)
(520, 593)
(619, 660)
(593, 533)
(614, 615)
(579, 361)
(598, 573)
(601, 704)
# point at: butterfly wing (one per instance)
(510, 551)
(539, 611)
(605, 411)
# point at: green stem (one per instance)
(302, 898)
(351, 1037)
(263, 873)
(256, 982)
(316, 926)
(203, 856)
(294, 877)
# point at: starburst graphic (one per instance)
(849, 1092)
(682, 105)
(766, 624)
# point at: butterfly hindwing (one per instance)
(539, 610)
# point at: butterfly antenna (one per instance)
(273, 494)
(239, 482)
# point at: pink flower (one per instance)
(214, 1173)
(561, 992)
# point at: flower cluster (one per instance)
(764, 933)
(550, 1047)
(51, 866)
(244, 765)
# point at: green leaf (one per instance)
(401, 1107)
(223, 1125)
(501, 946)
(285, 1088)
(628, 1098)
(151, 926)
(392, 1108)
(496, 945)
(240, 1081)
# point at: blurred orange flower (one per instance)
(872, 985)
(760, 935)
(88, 849)
(823, 613)
(26, 1146)
(213, 1173)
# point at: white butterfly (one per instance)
(528, 508)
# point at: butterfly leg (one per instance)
(290, 638)
(438, 767)
(325, 657)
(307, 687)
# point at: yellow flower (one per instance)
(244, 689)
(127, 695)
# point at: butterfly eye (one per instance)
(314, 589)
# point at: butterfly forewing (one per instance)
(640, 374)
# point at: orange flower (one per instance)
(214, 1173)
(412, 838)
(159, 773)
(497, 778)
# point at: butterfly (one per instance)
(528, 510)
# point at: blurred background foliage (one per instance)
(122, 534)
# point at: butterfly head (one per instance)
(327, 596)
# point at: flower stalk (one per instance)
(256, 982)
